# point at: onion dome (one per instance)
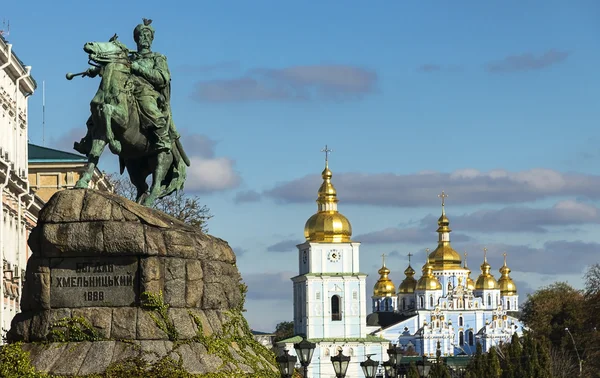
(507, 285)
(428, 281)
(408, 285)
(470, 283)
(327, 225)
(486, 281)
(384, 287)
(444, 256)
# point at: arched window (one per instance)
(489, 300)
(377, 306)
(461, 338)
(460, 321)
(508, 305)
(470, 337)
(431, 301)
(387, 305)
(404, 303)
(335, 308)
(422, 301)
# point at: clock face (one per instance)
(304, 257)
(334, 255)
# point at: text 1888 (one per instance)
(93, 296)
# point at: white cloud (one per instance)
(464, 186)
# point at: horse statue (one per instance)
(116, 120)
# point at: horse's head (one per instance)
(107, 52)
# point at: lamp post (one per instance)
(286, 364)
(395, 353)
(423, 367)
(389, 369)
(340, 364)
(369, 367)
(575, 346)
(304, 350)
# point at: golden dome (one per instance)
(327, 225)
(444, 256)
(384, 287)
(428, 281)
(486, 281)
(506, 284)
(408, 285)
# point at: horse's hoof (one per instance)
(115, 147)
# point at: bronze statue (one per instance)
(131, 112)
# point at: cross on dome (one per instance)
(327, 152)
(443, 196)
(409, 255)
(383, 258)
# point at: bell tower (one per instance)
(329, 292)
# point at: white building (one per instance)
(330, 294)
(444, 305)
(18, 205)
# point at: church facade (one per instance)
(444, 305)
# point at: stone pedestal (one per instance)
(99, 261)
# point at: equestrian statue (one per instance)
(131, 112)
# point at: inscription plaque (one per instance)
(93, 281)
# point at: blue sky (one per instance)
(496, 103)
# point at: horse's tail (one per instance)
(177, 173)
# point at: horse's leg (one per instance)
(164, 159)
(137, 169)
(93, 157)
(113, 144)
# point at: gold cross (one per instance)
(383, 257)
(327, 152)
(427, 255)
(443, 196)
(409, 255)
(504, 258)
(484, 254)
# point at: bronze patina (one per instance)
(131, 113)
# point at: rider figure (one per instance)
(151, 79)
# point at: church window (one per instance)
(318, 295)
(404, 303)
(460, 321)
(387, 305)
(377, 306)
(470, 337)
(489, 300)
(336, 313)
(461, 338)
(431, 300)
(508, 305)
(355, 295)
(421, 301)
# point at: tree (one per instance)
(284, 330)
(492, 363)
(186, 208)
(413, 372)
(550, 310)
(439, 368)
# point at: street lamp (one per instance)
(369, 367)
(575, 346)
(423, 367)
(340, 364)
(286, 364)
(395, 353)
(304, 350)
(389, 369)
